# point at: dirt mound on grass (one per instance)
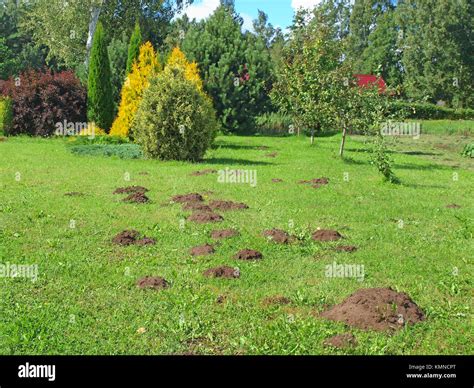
(74, 194)
(222, 272)
(248, 254)
(276, 299)
(341, 341)
(202, 250)
(130, 237)
(277, 235)
(315, 183)
(277, 180)
(453, 206)
(130, 190)
(2, 138)
(263, 148)
(192, 197)
(378, 309)
(225, 233)
(154, 282)
(205, 217)
(326, 235)
(227, 205)
(346, 248)
(203, 172)
(138, 197)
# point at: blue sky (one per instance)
(280, 12)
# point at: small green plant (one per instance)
(122, 151)
(468, 150)
(6, 114)
(382, 161)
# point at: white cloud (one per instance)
(308, 4)
(201, 10)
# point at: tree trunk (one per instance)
(312, 136)
(95, 13)
(343, 141)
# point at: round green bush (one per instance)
(175, 121)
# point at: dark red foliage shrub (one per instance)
(41, 99)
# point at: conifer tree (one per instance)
(100, 104)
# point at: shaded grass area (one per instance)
(85, 300)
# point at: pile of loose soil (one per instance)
(221, 299)
(154, 282)
(277, 180)
(227, 205)
(130, 190)
(326, 235)
(248, 254)
(341, 341)
(2, 138)
(196, 206)
(130, 237)
(138, 197)
(203, 172)
(346, 248)
(453, 206)
(202, 250)
(277, 235)
(74, 194)
(222, 272)
(205, 217)
(225, 233)
(192, 197)
(272, 155)
(379, 309)
(276, 299)
(315, 183)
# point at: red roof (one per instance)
(369, 80)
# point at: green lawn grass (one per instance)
(450, 127)
(85, 300)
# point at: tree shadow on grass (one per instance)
(239, 146)
(399, 166)
(232, 161)
(414, 153)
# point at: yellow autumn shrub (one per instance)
(134, 86)
(191, 72)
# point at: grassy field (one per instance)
(85, 300)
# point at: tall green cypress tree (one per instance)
(100, 104)
(134, 47)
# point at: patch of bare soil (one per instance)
(205, 217)
(248, 254)
(277, 180)
(453, 206)
(202, 250)
(192, 197)
(203, 172)
(378, 309)
(153, 282)
(315, 183)
(278, 236)
(225, 233)
(346, 248)
(222, 272)
(326, 235)
(74, 194)
(131, 237)
(341, 341)
(130, 190)
(227, 205)
(276, 299)
(271, 155)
